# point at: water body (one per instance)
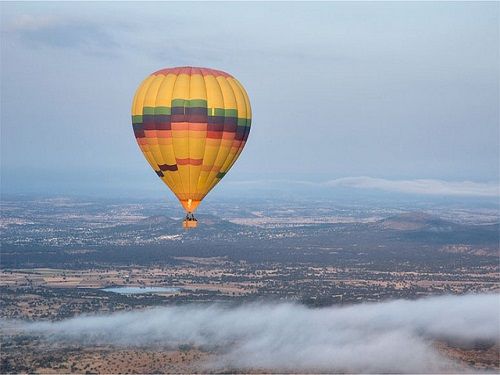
(141, 290)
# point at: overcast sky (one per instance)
(397, 91)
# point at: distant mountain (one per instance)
(210, 222)
(417, 221)
(421, 226)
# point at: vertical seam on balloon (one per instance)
(206, 132)
(142, 111)
(241, 145)
(167, 175)
(248, 117)
(171, 106)
(173, 174)
(219, 140)
(147, 92)
(208, 183)
(189, 131)
(229, 153)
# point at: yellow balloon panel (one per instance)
(191, 125)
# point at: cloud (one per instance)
(382, 337)
(419, 186)
(27, 22)
(416, 186)
(58, 32)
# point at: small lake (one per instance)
(141, 290)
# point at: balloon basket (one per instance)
(187, 224)
(190, 221)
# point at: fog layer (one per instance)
(396, 336)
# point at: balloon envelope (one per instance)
(191, 125)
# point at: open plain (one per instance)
(58, 268)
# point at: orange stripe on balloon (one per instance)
(214, 135)
(197, 134)
(192, 70)
(197, 127)
(150, 133)
(189, 161)
(164, 133)
(192, 126)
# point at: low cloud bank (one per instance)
(391, 336)
(420, 186)
(416, 186)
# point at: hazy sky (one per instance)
(388, 90)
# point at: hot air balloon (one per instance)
(191, 124)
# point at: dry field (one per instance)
(44, 359)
